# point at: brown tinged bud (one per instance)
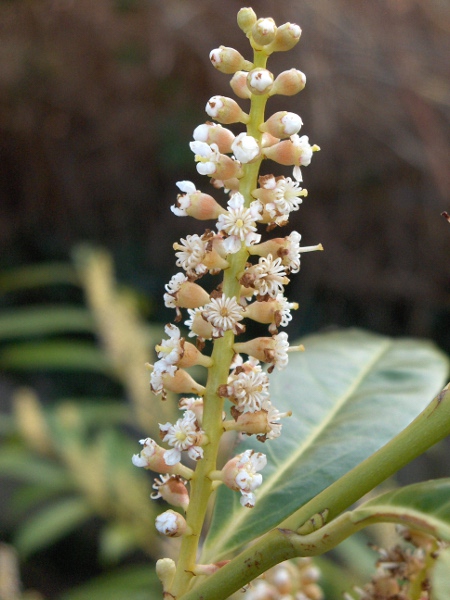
(264, 32)
(246, 18)
(239, 85)
(225, 110)
(172, 524)
(288, 83)
(228, 60)
(287, 36)
(180, 383)
(172, 489)
(188, 294)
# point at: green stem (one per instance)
(431, 426)
(201, 484)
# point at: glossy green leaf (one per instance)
(424, 506)
(130, 583)
(48, 320)
(440, 578)
(350, 393)
(55, 355)
(51, 524)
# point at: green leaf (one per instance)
(131, 583)
(55, 355)
(51, 524)
(48, 320)
(350, 393)
(440, 580)
(21, 464)
(424, 506)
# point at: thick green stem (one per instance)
(431, 426)
(201, 484)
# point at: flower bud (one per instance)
(172, 489)
(182, 383)
(194, 203)
(239, 85)
(228, 60)
(270, 311)
(165, 571)
(241, 475)
(151, 457)
(282, 124)
(171, 523)
(225, 110)
(246, 18)
(246, 148)
(287, 36)
(264, 31)
(193, 357)
(183, 293)
(198, 326)
(260, 81)
(213, 133)
(268, 140)
(295, 151)
(288, 83)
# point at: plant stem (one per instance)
(431, 426)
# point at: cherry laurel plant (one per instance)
(253, 275)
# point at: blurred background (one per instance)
(98, 101)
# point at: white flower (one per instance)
(192, 251)
(239, 223)
(148, 451)
(241, 474)
(248, 386)
(183, 201)
(306, 151)
(280, 350)
(268, 276)
(223, 313)
(245, 148)
(170, 523)
(171, 350)
(273, 418)
(287, 197)
(285, 308)
(172, 288)
(160, 368)
(184, 435)
(206, 156)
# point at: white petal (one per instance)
(138, 460)
(186, 186)
(201, 133)
(201, 148)
(172, 457)
(206, 168)
(236, 200)
(232, 244)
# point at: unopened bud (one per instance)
(165, 571)
(186, 295)
(171, 523)
(246, 18)
(282, 124)
(196, 204)
(225, 110)
(172, 489)
(264, 31)
(213, 133)
(287, 37)
(269, 311)
(246, 148)
(260, 81)
(228, 60)
(288, 83)
(295, 151)
(239, 85)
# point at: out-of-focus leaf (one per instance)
(116, 541)
(424, 506)
(38, 276)
(440, 578)
(51, 524)
(132, 583)
(48, 320)
(21, 464)
(350, 393)
(26, 496)
(55, 355)
(100, 411)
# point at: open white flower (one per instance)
(191, 252)
(241, 474)
(267, 277)
(184, 435)
(224, 314)
(239, 223)
(207, 156)
(248, 387)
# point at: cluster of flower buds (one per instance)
(254, 273)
